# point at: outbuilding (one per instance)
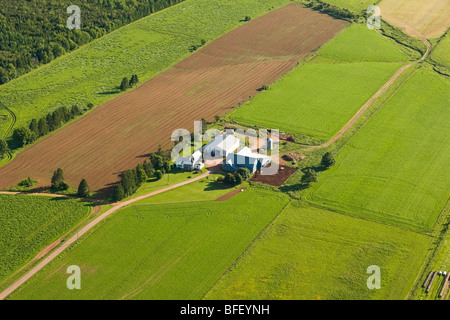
(245, 158)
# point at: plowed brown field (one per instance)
(120, 133)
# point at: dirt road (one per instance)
(370, 102)
(85, 229)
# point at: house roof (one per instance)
(223, 142)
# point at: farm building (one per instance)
(221, 145)
(192, 162)
(247, 159)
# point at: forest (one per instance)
(34, 32)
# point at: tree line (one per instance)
(33, 33)
(52, 121)
(132, 179)
(334, 11)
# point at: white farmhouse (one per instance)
(192, 162)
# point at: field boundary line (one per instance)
(250, 245)
(370, 102)
(87, 228)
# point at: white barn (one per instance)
(247, 159)
(221, 146)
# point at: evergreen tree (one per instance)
(118, 193)
(57, 179)
(42, 127)
(4, 148)
(83, 189)
(157, 161)
(148, 168)
(34, 128)
(124, 85)
(141, 174)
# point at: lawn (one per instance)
(145, 47)
(395, 169)
(318, 98)
(172, 251)
(201, 190)
(311, 253)
(29, 223)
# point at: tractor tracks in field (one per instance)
(370, 102)
(11, 126)
(84, 230)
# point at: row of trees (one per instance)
(52, 121)
(33, 33)
(132, 179)
(134, 80)
(336, 12)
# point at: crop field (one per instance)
(318, 98)
(418, 18)
(441, 53)
(159, 251)
(208, 83)
(395, 169)
(29, 223)
(146, 47)
(311, 253)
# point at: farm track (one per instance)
(121, 133)
(369, 103)
(83, 231)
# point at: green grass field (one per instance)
(311, 253)
(146, 47)
(395, 169)
(441, 54)
(174, 251)
(353, 5)
(318, 98)
(29, 223)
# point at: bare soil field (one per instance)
(418, 18)
(276, 180)
(120, 133)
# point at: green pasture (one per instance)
(395, 168)
(318, 98)
(172, 251)
(312, 253)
